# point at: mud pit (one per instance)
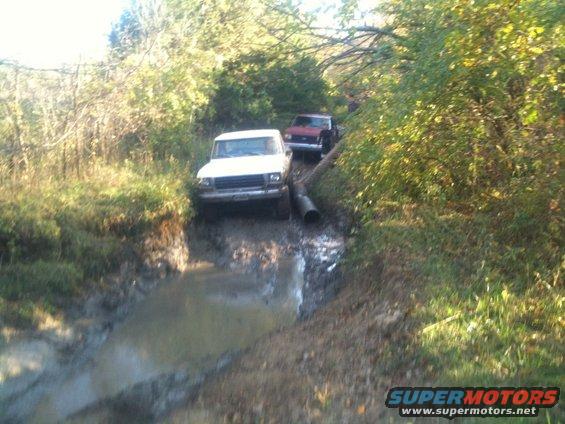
(248, 275)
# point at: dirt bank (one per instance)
(34, 359)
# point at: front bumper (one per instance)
(304, 147)
(242, 194)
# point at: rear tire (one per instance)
(283, 206)
(326, 145)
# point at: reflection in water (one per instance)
(186, 324)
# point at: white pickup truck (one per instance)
(245, 166)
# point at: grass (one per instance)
(57, 237)
(484, 308)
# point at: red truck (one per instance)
(316, 133)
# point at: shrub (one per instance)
(31, 281)
(454, 164)
(56, 237)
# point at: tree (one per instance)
(263, 88)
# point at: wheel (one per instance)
(283, 206)
(210, 213)
(290, 185)
(326, 145)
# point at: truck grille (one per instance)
(309, 139)
(240, 181)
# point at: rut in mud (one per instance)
(248, 275)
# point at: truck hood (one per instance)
(245, 165)
(313, 132)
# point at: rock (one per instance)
(385, 322)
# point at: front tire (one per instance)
(283, 206)
(210, 213)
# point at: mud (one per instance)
(179, 333)
(32, 361)
(249, 249)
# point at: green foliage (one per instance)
(126, 34)
(24, 281)
(332, 193)
(57, 238)
(478, 317)
(96, 255)
(467, 104)
(465, 116)
(454, 160)
(262, 89)
(24, 231)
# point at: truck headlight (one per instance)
(205, 182)
(275, 177)
(287, 136)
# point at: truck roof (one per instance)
(236, 135)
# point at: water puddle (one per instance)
(188, 324)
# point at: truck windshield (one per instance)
(311, 122)
(257, 146)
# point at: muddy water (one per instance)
(189, 323)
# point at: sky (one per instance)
(49, 33)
